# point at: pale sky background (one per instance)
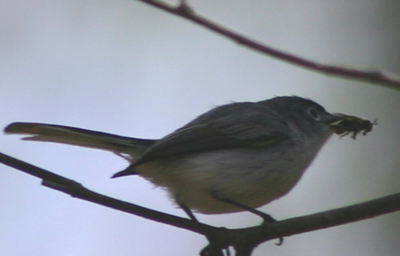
(126, 68)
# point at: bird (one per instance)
(235, 157)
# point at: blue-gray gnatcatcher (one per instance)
(234, 157)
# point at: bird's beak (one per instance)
(335, 122)
(335, 119)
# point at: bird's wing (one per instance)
(214, 136)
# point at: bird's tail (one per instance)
(79, 137)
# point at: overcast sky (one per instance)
(126, 68)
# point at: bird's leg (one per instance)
(188, 212)
(266, 217)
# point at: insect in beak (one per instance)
(352, 125)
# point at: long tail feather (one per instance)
(78, 137)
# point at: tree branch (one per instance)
(243, 240)
(370, 76)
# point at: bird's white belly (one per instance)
(248, 179)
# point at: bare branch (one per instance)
(243, 240)
(75, 189)
(374, 77)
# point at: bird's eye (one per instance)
(313, 113)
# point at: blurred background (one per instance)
(126, 68)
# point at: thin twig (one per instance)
(244, 240)
(375, 77)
